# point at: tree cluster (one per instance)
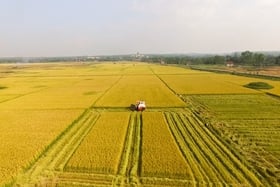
(255, 59)
(243, 58)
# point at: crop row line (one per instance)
(22, 95)
(106, 91)
(214, 157)
(189, 145)
(196, 171)
(129, 169)
(76, 139)
(250, 173)
(57, 155)
(237, 166)
(101, 180)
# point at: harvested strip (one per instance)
(225, 156)
(217, 162)
(198, 174)
(128, 171)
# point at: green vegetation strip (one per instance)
(258, 85)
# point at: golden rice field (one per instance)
(205, 84)
(143, 87)
(101, 150)
(25, 133)
(158, 158)
(71, 124)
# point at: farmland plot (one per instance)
(146, 87)
(79, 115)
(203, 84)
(160, 156)
(61, 93)
(239, 80)
(218, 166)
(251, 122)
(101, 149)
(124, 170)
(137, 69)
(24, 134)
(37, 103)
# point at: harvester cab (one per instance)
(140, 106)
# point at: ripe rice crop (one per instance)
(59, 93)
(160, 154)
(25, 133)
(101, 150)
(166, 145)
(203, 84)
(136, 69)
(17, 86)
(132, 88)
(241, 81)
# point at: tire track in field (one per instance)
(236, 166)
(129, 167)
(216, 161)
(202, 142)
(196, 171)
(59, 152)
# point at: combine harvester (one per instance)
(140, 106)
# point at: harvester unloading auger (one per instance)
(140, 106)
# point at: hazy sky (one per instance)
(104, 27)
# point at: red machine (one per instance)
(140, 106)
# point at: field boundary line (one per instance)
(22, 95)
(106, 91)
(173, 91)
(180, 96)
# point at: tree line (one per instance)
(244, 58)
